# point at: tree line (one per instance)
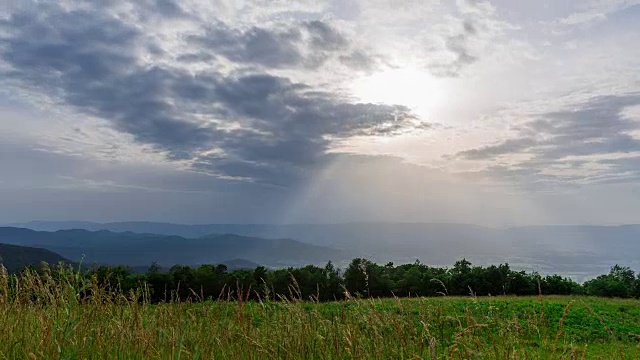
(361, 279)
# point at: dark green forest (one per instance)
(361, 279)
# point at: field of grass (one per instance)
(43, 319)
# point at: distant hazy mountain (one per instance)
(578, 251)
(15, 258)
(132, 249)
(142, 227)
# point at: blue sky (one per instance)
(495, 113)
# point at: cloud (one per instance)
(467, 37)
(360, 60)
(42, 183)
(302, 44)
(579, 145)
(271, 48)
(504, 147)
(244, 123)
(325, 37)
(596, 10)
(167, 8)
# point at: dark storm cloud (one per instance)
(594, 128)
(271, 48)
(306, 44)
(325, 37)
(289, 125)
(87, 60)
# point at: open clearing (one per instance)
(442, 328)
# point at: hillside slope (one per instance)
(15, 258)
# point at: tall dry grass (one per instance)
(64, 315)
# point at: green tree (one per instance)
(620, 282)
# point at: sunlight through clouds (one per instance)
(417, 89)
(269, 97)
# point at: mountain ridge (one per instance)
(572, 250)
(133, 249)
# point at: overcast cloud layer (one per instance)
(292, 111)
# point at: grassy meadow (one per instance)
(69, 318)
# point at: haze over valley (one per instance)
(580, 252)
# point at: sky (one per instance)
(496, 113)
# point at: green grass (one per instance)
(43, 319)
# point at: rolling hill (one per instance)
(15, 258)
(133, 249)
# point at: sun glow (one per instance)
(414, 88)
